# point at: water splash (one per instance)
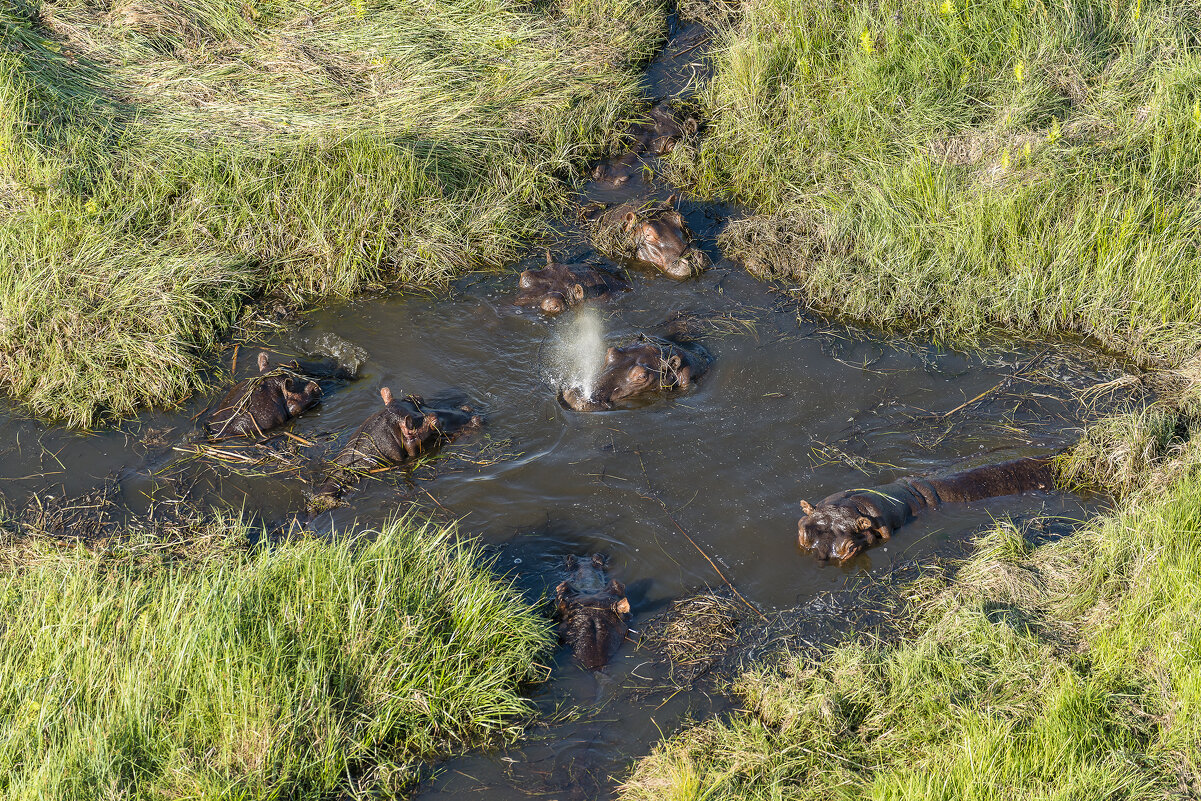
(577, 354)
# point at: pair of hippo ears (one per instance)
(631, 218)
(863, 523)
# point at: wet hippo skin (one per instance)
(591, 610)
(846, 523)
(266, 401)
(558, 287)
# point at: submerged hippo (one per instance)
(650, 364)
(558, 287)
(658, 135)
(401, 431)
(654, 234)
(846, 523)
(264, 402)
(592, 611)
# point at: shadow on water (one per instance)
(789, 410)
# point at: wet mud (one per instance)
(681, 493)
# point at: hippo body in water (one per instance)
(592, 612)
(649, 364)
(658, 135)
(402, 431)
(845, 524)
(652, 235)
(558, 287)
(266, 401)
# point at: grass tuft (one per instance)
(200, 667)
(960, 166)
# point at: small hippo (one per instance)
(654, 235)
(401, 431)
(650, 364)
(592, 612)
(558, 287)
(658, 136)
(846, 523)
(264, 402)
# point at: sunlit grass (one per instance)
(205, 668)
(197, 153)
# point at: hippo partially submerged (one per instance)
(845, 524)
(658, 136)
(592, 612)
(402, 431)
(263, 402)
(653, 235)
(558, 287)
(650, 364)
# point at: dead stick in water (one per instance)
(301, 440)
(234, 365)
(688, 537)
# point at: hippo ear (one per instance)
(577, 292)
(313, 388)
(610, 355)
(674, 361)
(673, 200)
(628, 221)
(406, 426)
(691, 126)
(622, 607)
(264, 360)
(863, 523)
(561, 594)
(386, 394)
(549, 259)
(807, 507)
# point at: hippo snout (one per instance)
(573, 399)
(692, 262)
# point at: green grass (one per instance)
(199, 667)
(954, 167)
(1067, 671)
(163, 162)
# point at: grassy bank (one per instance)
(161, 162)
(955, 166)
(197, 667)
(1066, 671)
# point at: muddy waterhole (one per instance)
(793, 407)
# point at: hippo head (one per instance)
(414, 438)
(554, 289)
(299, 398)
(593, 625)
(661, 238)
(630, 371)
(832, 531)
(666, 130)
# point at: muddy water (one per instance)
(794, 407)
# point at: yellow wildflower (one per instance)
(865, 39)
(947, 8)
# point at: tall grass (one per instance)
(206, 669)
(1067, 671)
(199, 152)
(962, 165)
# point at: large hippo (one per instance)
(658, 135)
(403, 430)
(846, 523)
(649, 364)
(652, 234)
(558, 287)
(592, 612)
(263, 402)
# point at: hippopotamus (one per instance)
(653, 234)
(402, 431)
(649, 364)
(263, 402)
(845, 524)
(659, 136)
(592, 611)
(558, 287)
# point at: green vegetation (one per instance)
(185, 664)
(1071, 670)
(960, 165)
(161, 162)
